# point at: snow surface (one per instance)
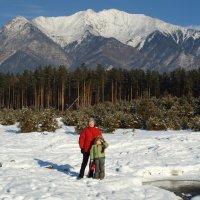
(131, 29)
(131, 158)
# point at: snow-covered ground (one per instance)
(131, 158)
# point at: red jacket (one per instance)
(87, 137)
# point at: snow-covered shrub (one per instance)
(8, 116)
(137, 121)
(197, 106)
(174, 113)
(126, 121)
(167, 102)
(173, 123)
(195, 123)
(185, 123)
(179, 115)
(78, 118)
(35, 121)
(154, 123)
(47, 121)
(146, 109)
(70, 118)
(110, 122)
(82, 122)
(124, 106)
(28, 121)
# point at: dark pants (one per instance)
(84, 164)
(99, 168)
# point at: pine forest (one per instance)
(117, 98)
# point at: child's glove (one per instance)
(82, 151)
(92, 167)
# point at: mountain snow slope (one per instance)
(131, 29)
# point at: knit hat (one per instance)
(100, 138)
(92, 120)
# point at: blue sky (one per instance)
(179, 12)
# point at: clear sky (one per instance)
(179, 12)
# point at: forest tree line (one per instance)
(61, 89)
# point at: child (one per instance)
(97, 155)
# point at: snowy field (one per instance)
(131, 158)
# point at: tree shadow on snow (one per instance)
(71, 133)
(13, 131)
(67, 169)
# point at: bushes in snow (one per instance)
(147, 113)
(154, 123)
(79, 119)
(108, 116)
(29, 121)
(47, 121)
(35, 121)
(195, 123)
(8, 117)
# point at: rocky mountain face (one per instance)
(110, 38)
(106, 51)
(24, 46)
(167, 54)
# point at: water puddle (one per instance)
(186, 189)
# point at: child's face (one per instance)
(98, 142)
(91, 124)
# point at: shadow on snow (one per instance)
(67, 169)
(13, 131)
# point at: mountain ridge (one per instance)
(109, 37)
(130, 29)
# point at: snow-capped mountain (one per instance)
(131, 29)
(109, 37)
(24, 46)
